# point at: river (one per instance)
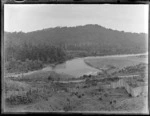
(76, 67)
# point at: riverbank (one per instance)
(50, 91)
(115, 62)
(72, 66)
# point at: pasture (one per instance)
(115, 62)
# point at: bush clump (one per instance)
(23, 66)
(17, 99)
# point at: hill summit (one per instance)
(87, 38)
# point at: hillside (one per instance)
(90, 38)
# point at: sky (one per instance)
(27, 17)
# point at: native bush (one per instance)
(26, 98)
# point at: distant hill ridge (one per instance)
(84, 38)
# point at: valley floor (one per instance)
(45, 93)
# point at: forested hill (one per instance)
(90, 38)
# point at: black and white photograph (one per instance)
(86, 58)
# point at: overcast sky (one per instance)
(26, 18)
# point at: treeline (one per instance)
(18, 66)
(84, 40)
(29, 57)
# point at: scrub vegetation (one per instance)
(49, 91)
(46, 92)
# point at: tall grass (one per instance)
(22, 66)
(17, 93)
(22, 98)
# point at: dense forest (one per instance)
(61, 43)
(30, 57)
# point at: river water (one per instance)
(76, 67)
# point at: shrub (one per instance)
(110, 102)
(79, 96)
(114, 101)
(67, 108)
(100, 89)
(23, 66)
(21, 98)
(50, 78)
(16, 100)
(105, 94)
(100, 98)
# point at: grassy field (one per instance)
(41, 95)
(115, 62)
